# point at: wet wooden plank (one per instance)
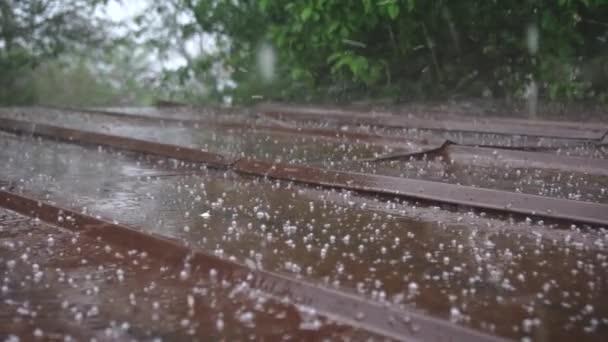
(548, 129)
(502, 201)
(349, 309)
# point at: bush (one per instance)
(413, 48)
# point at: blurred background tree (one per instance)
(34, 32)
(304, 51)
(413, 49)
(62, 52)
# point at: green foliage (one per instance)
(14, 64)
(412, 48)
(324, 50)
(60, 52)
(36, 32)
(84, 81)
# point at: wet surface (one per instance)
(59, 285)
(519, 174)
(471, 171)
(496, 200)
(443, 123)
(235, 142)
(178, 112)
(593, 148)
(512, 277)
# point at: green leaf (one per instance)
(410, 5)
(334, 56)
(393, 11)
(332, 27)
(367, 5)
(306, 13)
(263, 4)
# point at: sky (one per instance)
(125, 11)
(122, 10)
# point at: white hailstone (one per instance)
(93, 311)
(219, 324)
(120, 274)
(455, 315)
(132, 299)
(412, 287)
(38, 333)
(246, 317)
(527, 325)
(190, 300)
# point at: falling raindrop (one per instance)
(266, 60)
